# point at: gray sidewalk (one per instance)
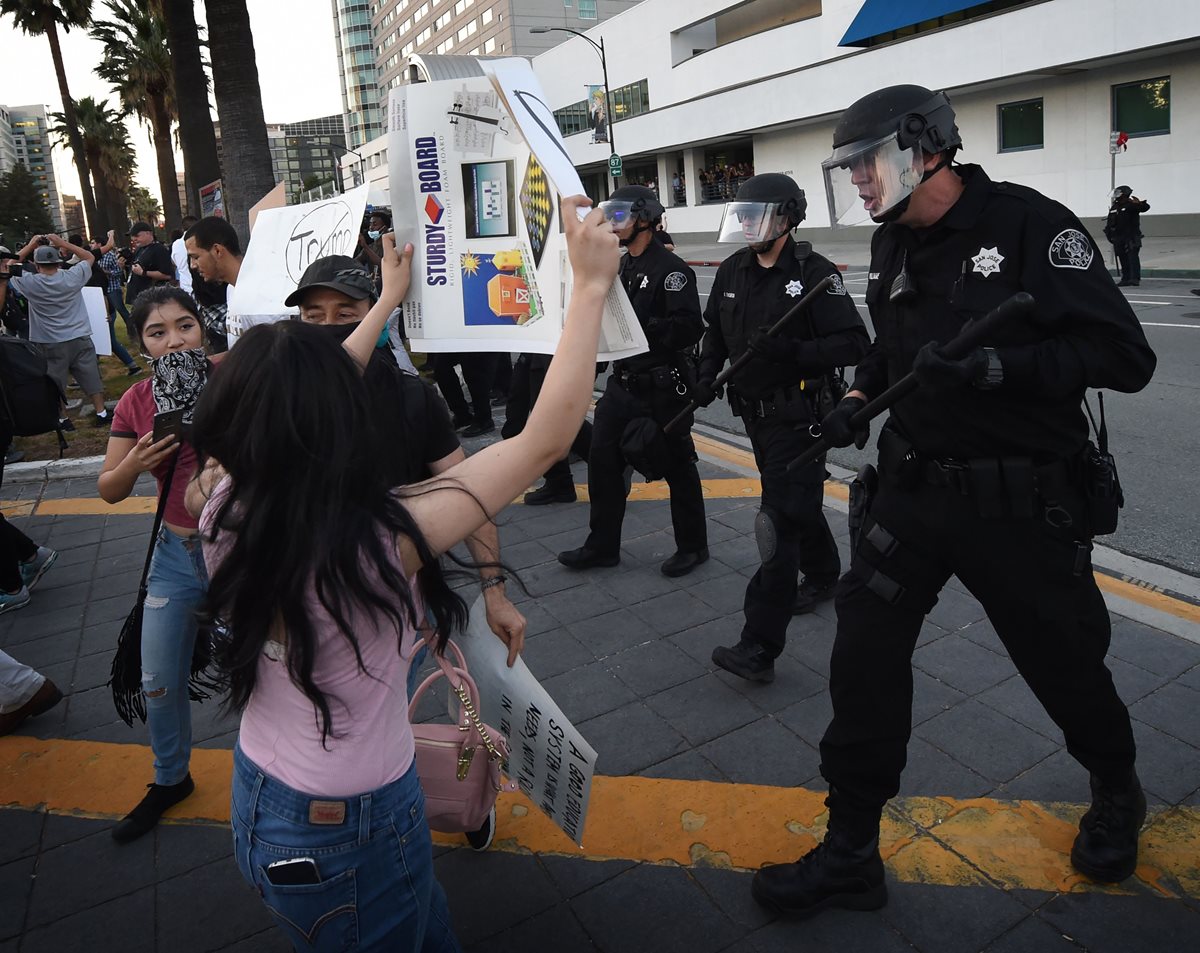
(625, 651)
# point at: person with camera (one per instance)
(1123, 228)
(778, 397)
(58, 318)
(985, 472)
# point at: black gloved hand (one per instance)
(936, 374)
(836, 429)
(703, 393)
(777, 349)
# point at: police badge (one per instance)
(1071, 249)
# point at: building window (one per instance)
(587, 9)
(1143, 108)
(1020, 125)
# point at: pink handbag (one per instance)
(459, 764)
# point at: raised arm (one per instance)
(451, 507)
(396, 271)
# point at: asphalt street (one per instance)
(1154, 434)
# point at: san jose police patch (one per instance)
(675, 281)
(836, 287)
(1071, 248)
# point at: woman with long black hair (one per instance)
(324, 576)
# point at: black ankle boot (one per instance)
(838, 872)
(142, 819)
(1106, 847)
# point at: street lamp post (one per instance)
(608, 111)
(345, 151)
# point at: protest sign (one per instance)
(549, 759)
(476, 171)
(93, 300)
(212, 199)
(283, 242)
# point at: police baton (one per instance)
(733, 369)
(971, 337)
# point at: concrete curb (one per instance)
(40, 471)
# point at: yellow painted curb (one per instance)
(929, 840)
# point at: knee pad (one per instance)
(766, 534)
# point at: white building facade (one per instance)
(1038, 87)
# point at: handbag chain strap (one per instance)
(476, 722)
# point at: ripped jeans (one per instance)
(177, 584)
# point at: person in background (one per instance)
(151, 265)
(24, 693)
(215, 252)
(179, 254)
(1123, 228)
(58, 318)
(22, 563)
(103, 278)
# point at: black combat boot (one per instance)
(551, 492)
(747, 660)
(841, 871)
(1106, 847)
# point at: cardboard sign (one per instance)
(549, 759)
(283, 242)
(477, 170)
(93, 299)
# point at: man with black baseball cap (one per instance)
(152, 264)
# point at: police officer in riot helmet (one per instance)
(780, 396)
(985, 472)
(644, 393)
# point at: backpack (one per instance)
(29, 397)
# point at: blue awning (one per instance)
(883, 16)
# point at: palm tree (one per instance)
(196, 135)
(143, 206)
(137, 63)
(38, 17)
(109, 157)
(248, 174)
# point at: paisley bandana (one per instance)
(179, 377)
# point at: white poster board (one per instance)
(475, 186)
(93, 299)
(283, 242)
(549, 759)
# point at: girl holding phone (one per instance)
(323, 575)
(165, 320)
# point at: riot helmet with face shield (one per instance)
(879, 150)
(766, 207)
(632, 203)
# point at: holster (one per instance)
(863, 488)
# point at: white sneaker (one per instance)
(14, 600)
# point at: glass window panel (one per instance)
(1143, 108)
(1021, 126)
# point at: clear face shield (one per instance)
(865, 180)
(753, 223)
(617, 214)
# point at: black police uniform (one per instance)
(1123, 228)
(984, 484)
(662, 289)
(776, 402)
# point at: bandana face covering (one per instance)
(179, 377)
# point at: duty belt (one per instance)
(774, 403)
(663, 377)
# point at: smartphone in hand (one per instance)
(168, 423)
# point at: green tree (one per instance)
(43, 18)
(22, 209)
(143, 206)
(109, 156)
(246, 165)
(137, 63)
(197, 138)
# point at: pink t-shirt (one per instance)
(372, 741)
(134, 418)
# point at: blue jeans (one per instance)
(174, 591)
(373, 855)
(116, 302)
(118, 348)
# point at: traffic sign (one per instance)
(614, 165)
